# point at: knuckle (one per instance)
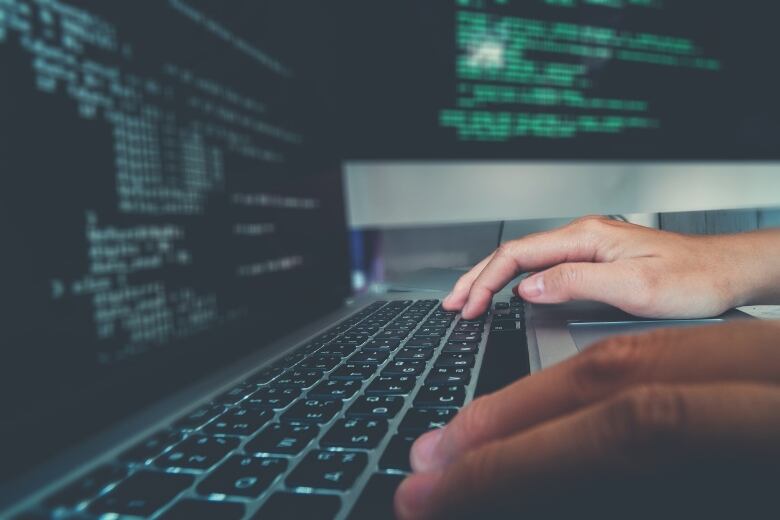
(591, 223)
(645, 420)
(589, 218)
(505, 250)
(607, 365)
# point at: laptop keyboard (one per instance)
(324, 432)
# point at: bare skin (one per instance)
(658, 404)
(643, 271)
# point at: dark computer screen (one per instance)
(168, 197)
(557, 79)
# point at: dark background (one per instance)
(370, 79)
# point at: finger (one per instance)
(457, 298)
(678, 355)
(618, 284)
(578, 242)
(644, 431)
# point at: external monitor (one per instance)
(469, 110)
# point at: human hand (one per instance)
(686, 406)
(640, 270)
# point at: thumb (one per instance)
(609, 283)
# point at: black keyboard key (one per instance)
(311, 347)
(274, 397)
(142, 494)
(376, 500)
(424, 342)
(349, 344)
(355, 433)
(151, 447)
(190, 508)
(285, 439)
(335, 389)
(376, 348)
(404, 368)
(376, 406)
(448, 359)
(327, 336)
(339, 349)
(303, 506)
(365, 330)
(328, 470)
(435, 396)
(243, 476)
(396, 456)
(375, 358)
(197, 452)
(449, 376)
(504, 361)
(406, 324)
(320, 362)
(392, 334)
(235, 394)
(438, 323)
(264, 376)
(391, 385)
(420, 420)
(507, 326)
(353, 336)
(430, 332)
(469, 327)
(512, 315)
(468, 337)
(354, 371)
(318, 411)
(291, 359)
(413, 354)
(458, 347)
(239, 421)
(198, 417)
(87, 487)
(379, 344)
(299, 378)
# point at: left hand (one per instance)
(682, 406)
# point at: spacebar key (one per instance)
(505, 360)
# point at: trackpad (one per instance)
(585, 334)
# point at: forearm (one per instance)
(754, 265)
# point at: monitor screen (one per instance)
(168, 200)
(556, 79)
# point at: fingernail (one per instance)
(413, 497)
(533, 286)
(423, 455)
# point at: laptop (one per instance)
(178, 335)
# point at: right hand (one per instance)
(640, 270)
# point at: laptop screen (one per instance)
(168, 201)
